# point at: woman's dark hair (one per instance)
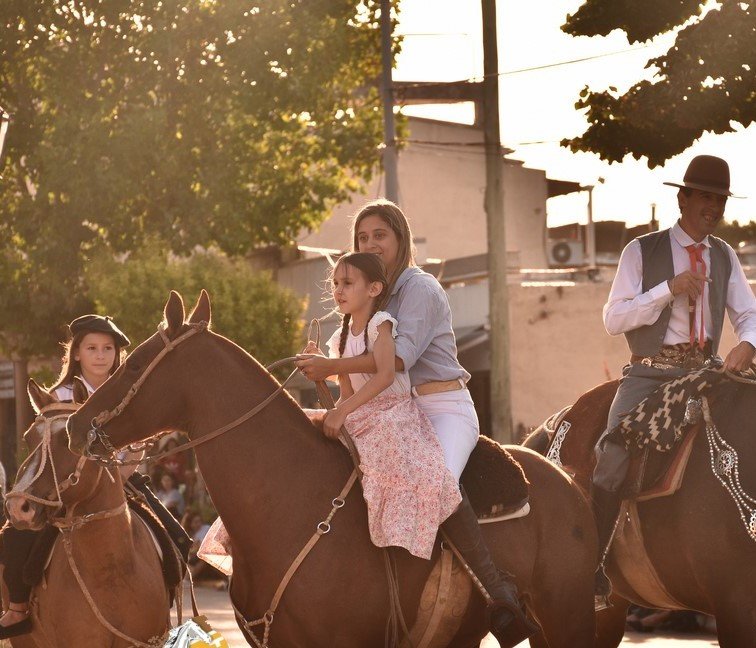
(72, 367)
(397, 221)
(168, 474)
(372, 268)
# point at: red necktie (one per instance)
(697, 265)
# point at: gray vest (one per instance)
(656, 253)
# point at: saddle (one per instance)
(173, 567)
(659, 450)
(494, 481)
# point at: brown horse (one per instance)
(695, 540)
(104, 570)
(273, 478)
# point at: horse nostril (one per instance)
(25, 508)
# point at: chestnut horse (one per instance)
(695, 539)
(104, 583)
(273, 478)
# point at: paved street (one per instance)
(214, 604)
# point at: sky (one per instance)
(442, 42)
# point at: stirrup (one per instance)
(603, 590)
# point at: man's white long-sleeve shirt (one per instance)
(629, 308)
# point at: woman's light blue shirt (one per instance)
(425, 340)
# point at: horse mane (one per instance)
(248, 360)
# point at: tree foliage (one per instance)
(248, 307)
(735, 233)
(200, 122)
(704, 83)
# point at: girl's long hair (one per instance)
(372, 268)
(397, 221)
(72, 367)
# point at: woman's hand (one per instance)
(333, 422)
(315, 366)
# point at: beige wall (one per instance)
(442, 189)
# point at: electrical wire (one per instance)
(477, 79)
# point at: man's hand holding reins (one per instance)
(740, 357)
(689, 283)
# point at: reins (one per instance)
(67, 525)
(396, 618)
(96, 432)
(45, 450)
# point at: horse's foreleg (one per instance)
(610, 624)
(736, 626)
(566, 615)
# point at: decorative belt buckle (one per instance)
(647, 362)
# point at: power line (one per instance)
(420, 84)
(579, 60)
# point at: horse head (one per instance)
(97, 429)
(52, 479)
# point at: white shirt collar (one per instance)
(89, 387)
(683, 238)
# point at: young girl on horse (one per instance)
(426, 352)
(94, 351)
(406, 485)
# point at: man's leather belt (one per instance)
(677, 356)
(438, 387)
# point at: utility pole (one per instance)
(390, 156)
(501, 406)
(590, 231)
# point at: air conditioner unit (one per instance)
(565, 252)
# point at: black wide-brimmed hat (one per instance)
(707, 173)
(99, 324)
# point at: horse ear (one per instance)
(201, 311)
(173, 313)
(80, 391)
(38, 396)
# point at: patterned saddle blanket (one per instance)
(659, 421)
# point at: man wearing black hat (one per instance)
(669, 299)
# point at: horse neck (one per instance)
(271, 466)
(112, 533)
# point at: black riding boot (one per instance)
(176, 532)
(17, 545)
(34, 569)
(509, 624)
(606, 508)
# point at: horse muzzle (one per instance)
(24, 514)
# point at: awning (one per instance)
(562, 187)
